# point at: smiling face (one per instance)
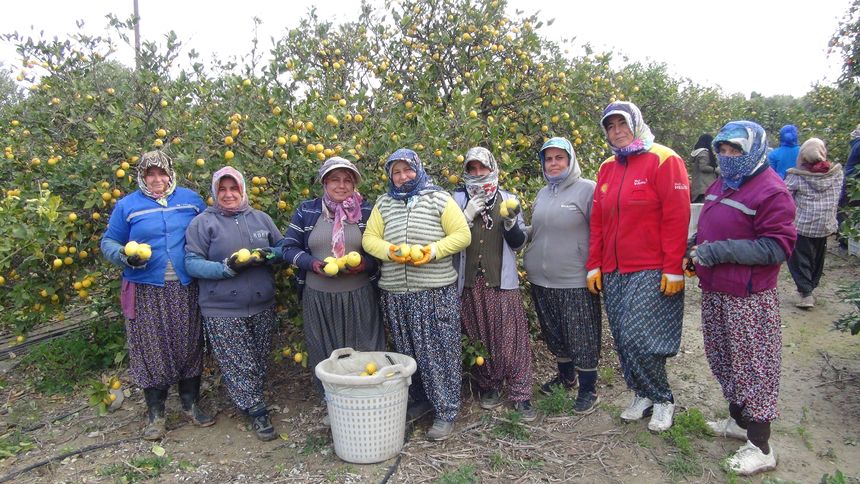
(618, 131)
(401, 173)
(229, 193)
(476, 168)
(339, 184)
(157, 180)
(556, 161)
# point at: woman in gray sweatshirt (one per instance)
(237, 295)
(554, 260)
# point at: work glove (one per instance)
(429, 254)
(475, 206)
(594, 281)
(392, 254)
(689, 267)
(234, 265)
(509, 215)
(263, 256)
(135, 262)
(671, 284)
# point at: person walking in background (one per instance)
(785, 156)
(492, 305)
(745, 232)
(852, 171)
(419, 299)
(639, 226)
(158, 296)
(703, 168)
(569, 315)
(815, 184)
(237, 291)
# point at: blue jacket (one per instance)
(295, 242)
(785, 157)
(850, 169)
(140, 218)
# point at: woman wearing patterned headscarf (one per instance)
(418, 291)
(340, 310)
(492, 306)
(745, 232)
(237, 292)
(554, 260)
(158, 296)
(638, 237)
(815, 184)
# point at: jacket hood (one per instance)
(820, 181)
(788, 135)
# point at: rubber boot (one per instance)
(189, 393)
(155, 422)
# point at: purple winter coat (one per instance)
(762, 207)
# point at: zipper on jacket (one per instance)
(618, 224)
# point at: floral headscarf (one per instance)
(240, 180)
(813, 156)
(345, 212)
(750, 139)
(642, 137)
(158, 159)
(572, 167)
(482, 186)
(417, 185)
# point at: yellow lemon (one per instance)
(329, 260)
(144, 251)
(417, 252)
(370, 368)
(341, 263)
(364, 373)
(58, 263)
(479, 361)
(131, 248)
(512, 203)
(243, 255)
(353, 259)
(503, 210)
(405, 250)
(298, 357)
(116, 385)
(331, 268)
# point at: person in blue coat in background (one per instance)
(785, 157)
(851, 172)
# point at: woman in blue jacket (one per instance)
(237, 293)
(159, 297)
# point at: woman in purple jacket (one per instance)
(745, 232)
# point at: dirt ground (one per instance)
(818, 432)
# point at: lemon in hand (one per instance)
(144, 251)
(331, 268)
(131, 248)
(405, 250)
(243, 255)
(417, 252)
(353, 259)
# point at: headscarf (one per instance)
(813, 156)
(240, 180)
(705, 141)
(788, 136)
(642, 137)
(572, 167)
(158, 159)
(482, 186)
(856, 133)
(345, 212)
(420, 184)
(750, 139)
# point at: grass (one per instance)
(13, 443)
(688, 425)
(58, 365)
(313, 444)
(138, 469)
(462, 475)
(511, 427)
(804, 436)
(606, 374)
(556, 403)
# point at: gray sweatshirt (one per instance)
(214, 236)
(558, 236)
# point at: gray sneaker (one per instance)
(491, 399)
(440, 430)
(527, 412)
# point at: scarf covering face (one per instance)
(748, 137)
(157, 159)
(813, 156)
(483, 186)
(240, 180)
(856, 133)
(572, 167)
(417, 185)
(642, 137)
(345, 212)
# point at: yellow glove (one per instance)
(429, 252)
(594, 281)
(671, 284)
(689, 267)
(392, 254)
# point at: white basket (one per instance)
(367, 413)
(695, 210)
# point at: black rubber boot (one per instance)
(155, 422)
(189, 393)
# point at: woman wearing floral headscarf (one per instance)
(419, 298)
(342, 310)
(638, 237)
(554, 260)
(159, 297)
(488, 282)
(745, 232)
(237, 293)
(815, 184)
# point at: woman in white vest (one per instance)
(418, 290)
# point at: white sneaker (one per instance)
(637, 408)
(806, 302)
(727, 427)
(662, 417)
(749, 460)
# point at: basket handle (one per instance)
(342, 353)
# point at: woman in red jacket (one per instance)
(639, 227)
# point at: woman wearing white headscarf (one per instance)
(492, 306)
(638, 238)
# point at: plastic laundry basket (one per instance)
(367, 413)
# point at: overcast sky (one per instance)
(766, 46)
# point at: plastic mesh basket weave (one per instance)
(367, 413)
